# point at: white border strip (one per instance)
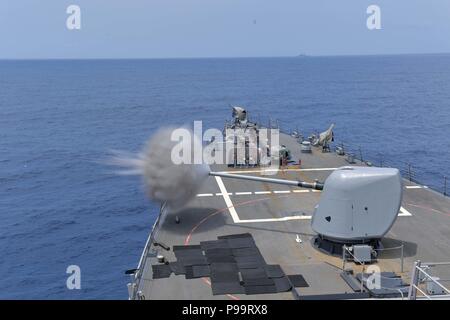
(404, 213)
(205, 195)
(247, 193)
(242, 193)
(263, 192)
(279, 170)
(226, 196)
(416, 187)
(227, 199)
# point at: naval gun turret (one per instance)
(358, 205)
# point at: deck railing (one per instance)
(133, 287)
(407, 169)
(420, 274)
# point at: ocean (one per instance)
(60, 204)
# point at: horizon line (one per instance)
(300, 56)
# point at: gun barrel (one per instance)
(302, 184)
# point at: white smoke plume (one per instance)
(174, 184)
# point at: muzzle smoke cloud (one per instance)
(175, 184)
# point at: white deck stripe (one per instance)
(280, 170)
(242, 193)
(281, 191)
(276, 219)
(403, 212)
(227, 199)
(263, 192)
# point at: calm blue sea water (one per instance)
(58, 119)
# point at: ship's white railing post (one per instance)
(418, 275)
(133, 287)
(414, 281)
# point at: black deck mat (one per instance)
(244, 252)
(189, 273)
(161, 271)
(177, 268)
(298, 281)
(221, 259)
(201, 271)
(191, 261)
(219, 252)
(189, 257)
(224, 272)
(188, 253)
(190, 247)
(227, 288)
(236, 243)
(260, 289)
(224, 267)
(193, 272)
(282, 284)
(259, 282)
(224, 277)
(214, 244)
(257, 273)
(238, 235)
(274, 271)
(249, 264)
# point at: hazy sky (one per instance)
(220, 28)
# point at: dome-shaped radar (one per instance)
(358, 203)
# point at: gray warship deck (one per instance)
(277, 216)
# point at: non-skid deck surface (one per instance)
(278, 218)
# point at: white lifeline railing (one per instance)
(419, 275)
(133, 286)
